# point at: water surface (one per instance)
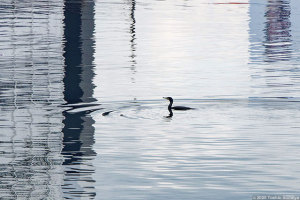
(65, 63)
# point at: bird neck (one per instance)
(170, 105)
(170, 114)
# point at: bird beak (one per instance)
(165, 97)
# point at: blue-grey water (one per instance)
(65, 63)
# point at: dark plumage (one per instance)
(107, 113)
(170, 107)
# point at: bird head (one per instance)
(168, 98)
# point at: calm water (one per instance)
(64, 63)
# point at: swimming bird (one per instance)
(170, 107)
(107, 113)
